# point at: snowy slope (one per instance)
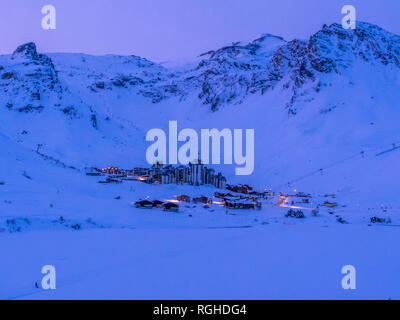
(313, 103)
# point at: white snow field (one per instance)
(326, 119)
(262, 262)
(122, 252)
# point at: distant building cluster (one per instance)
(195, 174)
(253, 200)
(110, 170)
(246, 200)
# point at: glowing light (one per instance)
(218, 202)
(283, 203)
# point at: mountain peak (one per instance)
(266, 36)
(362, 29)
(368, 42)
(25, 51)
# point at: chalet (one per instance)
(168, 206)
(144, 204)
(158, 203)
(201, 199)
(239, 204)
(183, 197)
(330, 204)
(224, 195)
(377, 220)
(240, 188)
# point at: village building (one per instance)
(144, 204)
(183, 197)
(239, 188)
(158, 203)
(330, 204)
(201, 199)
(195, 174)
(223, 195)
(240, 204)
(168, 206)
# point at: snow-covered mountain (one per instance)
(322, 109)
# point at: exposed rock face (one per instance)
(28, 55)
(30, 80)
(230, 73)
(224, 76)
(25, 51)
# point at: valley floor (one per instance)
(211, 255)
(104, 248)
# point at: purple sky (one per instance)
(163, 30)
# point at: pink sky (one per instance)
(163, 30)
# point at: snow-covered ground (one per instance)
(122, 252)
(275, 261)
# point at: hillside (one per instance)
(312, 103)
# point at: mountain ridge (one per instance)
(227, 75)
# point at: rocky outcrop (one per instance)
(29, 80)
(222, 77)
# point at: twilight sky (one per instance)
(164, 30)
